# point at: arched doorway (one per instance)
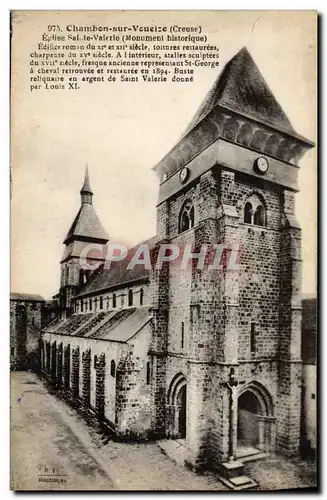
(255, 420)
(176, 407)
(247, 419)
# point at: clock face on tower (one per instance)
(261, 165)
(183, 175)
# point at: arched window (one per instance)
(107, 302)
(248, 213)
(95, 303)
(113, 368)
(90, 304)
(141, 296)
(82, 306)
(254, 211)
(101, 302)
(130, 297)
(186, 217)
(148, 373)
(259, 216)
(114, 301)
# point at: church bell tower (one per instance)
(226, 343)
(85, 230)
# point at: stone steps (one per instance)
(239, 483)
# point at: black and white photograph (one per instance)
(163, 298)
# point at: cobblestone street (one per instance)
(48, 437)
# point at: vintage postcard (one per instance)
(163, 249)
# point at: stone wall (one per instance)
(89, 370)
(86, 378)
(25, 328)
(231, 318)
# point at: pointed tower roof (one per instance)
(239, 108)
(86, 188)
(242, 88)
(86, 225)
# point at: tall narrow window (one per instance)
(186, 217)
(101, 302)
(107, 302)
(90, 304)
(248, 213)
(148, 373)
(130, 297)
(259, 216)
(252, 338)
(114, 301)
(82, 306)
(95, 303)
(141, 296)
(182, 335)
(113, 368)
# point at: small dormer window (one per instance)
(186, 217)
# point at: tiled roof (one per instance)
(87, 224)
(242, 88)
(118, 273)
(124, 328)
(117, 326)
(27, 297)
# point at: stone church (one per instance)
(212, 356)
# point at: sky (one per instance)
(121, 131)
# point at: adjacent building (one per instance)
(309, 359)
(26, 321)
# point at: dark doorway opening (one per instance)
(181, 405)
(247, 422)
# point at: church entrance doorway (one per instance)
(176, 408)
(247, 421)
(255, 422)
